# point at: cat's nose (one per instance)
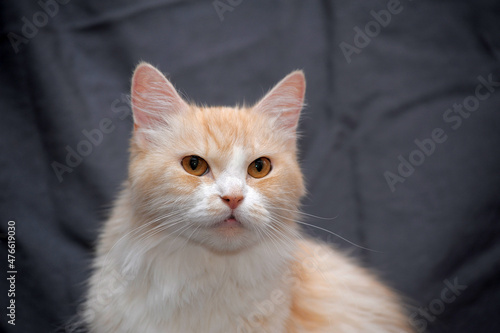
(232, 201)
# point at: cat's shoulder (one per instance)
(318, 256)
(330, 290)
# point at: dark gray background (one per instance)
(441, 224)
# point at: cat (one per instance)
(204, 238)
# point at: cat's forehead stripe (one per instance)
(227, 130)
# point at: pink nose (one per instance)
(232, 201)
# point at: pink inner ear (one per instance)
(153, 97)
(285, 100)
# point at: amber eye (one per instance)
(260, 167)
(195, 165)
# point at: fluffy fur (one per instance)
(168, 261)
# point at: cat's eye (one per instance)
(260, 167)
(195, 165)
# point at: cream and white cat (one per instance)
(204, 238)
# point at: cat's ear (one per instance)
(153, 99)
(285, 101)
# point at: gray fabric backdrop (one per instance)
(396, 95)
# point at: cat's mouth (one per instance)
(231, 223)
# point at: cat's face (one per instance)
(222, 177)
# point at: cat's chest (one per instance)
(199, 305)
(208, 296)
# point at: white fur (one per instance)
(232, 180)
(180, 287)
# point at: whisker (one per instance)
(337, 235)
(330, 232)
(284, 236)
(273, 238)
(138, 235)
(306, 214)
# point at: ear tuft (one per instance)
(285, 101)
(153, 98)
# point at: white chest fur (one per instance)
(179, 287)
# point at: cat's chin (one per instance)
(226, 247)
(226, 237)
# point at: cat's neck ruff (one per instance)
(180, 261)
(175, 280)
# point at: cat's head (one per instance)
(222, 177)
